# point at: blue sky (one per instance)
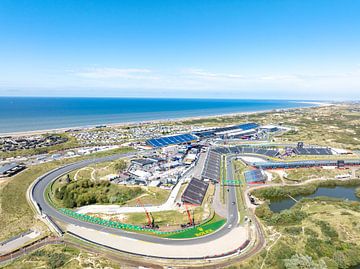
(245, 49)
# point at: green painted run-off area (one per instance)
(203, 229)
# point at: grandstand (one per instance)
(303, 164)
(222, 130)
(171, 140)
(256, 176)
(312, 151)
(195, 192)
(11, 169)
(242, 150)
(211, 170)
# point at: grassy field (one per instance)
(16, 214)
(151, 196)
(167, 220)
(60, 256)
(327, 231)
(147, 195)
(302, 174)
(239, 168)
(222, 178)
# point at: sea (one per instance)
(21, 114)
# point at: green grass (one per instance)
(61, 256)
(328, 232)
(239, 167)
(164, 218)
(16, 214)
(302, 174)
(151, 196)
(222, 177)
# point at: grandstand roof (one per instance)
(195, 192)
(237, 128)
(170, 140)
(247, 150)
(212, 166)
(312, 151)
(5, 168)
(220, 130)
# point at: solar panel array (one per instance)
(171, 140)
(299, 164)
(212, 132)
(255, 176)
(312, 151)
(247, 150)
(195, 192)
(212, 166)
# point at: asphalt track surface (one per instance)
(38, 193)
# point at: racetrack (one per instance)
(226, 239)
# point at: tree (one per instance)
(299, 261)
(120, 166)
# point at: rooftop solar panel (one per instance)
(170, 140)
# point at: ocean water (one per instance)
(42, 113)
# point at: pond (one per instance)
(340, 192)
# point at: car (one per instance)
(233, 203)
(229, 227)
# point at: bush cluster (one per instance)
(86, 192)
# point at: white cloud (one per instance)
(194, 82)
(209, 75)
(113, 73)
(279, 77)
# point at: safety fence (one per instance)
(136, 228)
(115, 224)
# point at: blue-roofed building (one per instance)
(257, 176)
(220, 131)
(171, 140)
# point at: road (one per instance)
(38, 193)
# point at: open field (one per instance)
(16, 214)
(100, 171)
(303, 174)
(60, 256)
(239, 169)
(323, 229)
(151, 196)
(167, 220)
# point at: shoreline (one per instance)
(124, 124)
